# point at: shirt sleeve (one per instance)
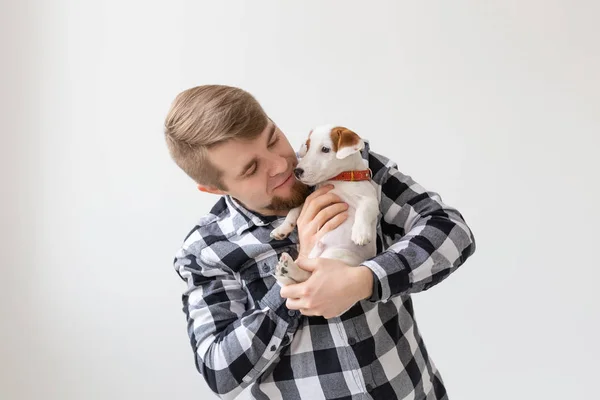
(233, 343)
(427, 239)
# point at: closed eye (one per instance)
(252, 170)
(274, 142)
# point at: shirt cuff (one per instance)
(390, 276)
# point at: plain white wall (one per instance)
(494, 106)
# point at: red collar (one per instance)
(363, 175)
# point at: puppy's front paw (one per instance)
(282, 231)
(287, 272)
(361, 234)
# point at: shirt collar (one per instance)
(244, 218)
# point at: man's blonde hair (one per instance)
(204, 116)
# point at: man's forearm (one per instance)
(435, 247)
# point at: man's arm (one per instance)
(232, 346)
(428, 239)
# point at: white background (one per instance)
(494, 105)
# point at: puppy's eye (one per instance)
(325, 149)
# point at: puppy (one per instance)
(331, 155)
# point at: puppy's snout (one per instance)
(298, 172)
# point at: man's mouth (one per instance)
(290, 176)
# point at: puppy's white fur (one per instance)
(354, 240)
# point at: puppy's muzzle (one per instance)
(298, 172)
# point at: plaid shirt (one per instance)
(246, 341)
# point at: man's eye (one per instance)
(274, 142)
(252, 170)
(325, 149)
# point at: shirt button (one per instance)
(369, 387)
(266, 268)
(351, 341)
(292, 313)
(273, 348)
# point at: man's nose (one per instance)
(298, 172)
(279, 165)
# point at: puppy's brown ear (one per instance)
(345, 142)
(305, 146)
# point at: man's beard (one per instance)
(299, 193)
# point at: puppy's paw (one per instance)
(282, 231)
(287, 271)
(361, 234)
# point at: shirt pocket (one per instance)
(256, 275)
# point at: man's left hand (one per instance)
(333, 288)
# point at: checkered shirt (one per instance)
(248, 344)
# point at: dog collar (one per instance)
(363, 175)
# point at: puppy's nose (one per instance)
(298, 172)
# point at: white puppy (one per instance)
(331, 155)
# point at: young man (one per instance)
(291, 342)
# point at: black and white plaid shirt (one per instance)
(246, 341)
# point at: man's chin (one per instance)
(299, 193)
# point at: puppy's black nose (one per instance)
(298, 172)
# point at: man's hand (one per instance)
(321, 213)
(333, 288)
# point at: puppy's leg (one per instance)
(284, 230)
(287, 271)
(365, 221)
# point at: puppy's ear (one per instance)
(305, 146)
(345, 142)
(304, 149)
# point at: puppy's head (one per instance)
(328, 151)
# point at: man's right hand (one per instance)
(321, 213)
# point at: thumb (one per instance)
(307, 264)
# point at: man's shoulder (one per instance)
(377, 163)
(224, 239)
(210, 235)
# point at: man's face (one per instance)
(260, 172)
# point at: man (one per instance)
(291, 342)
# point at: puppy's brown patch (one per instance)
(343, 137)
(308, 140)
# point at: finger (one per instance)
(307, 264)
(318, 204)
(293, 291)
(319, 192)
(332, 224)
(286, 291)
(329, 212)
(294, 304)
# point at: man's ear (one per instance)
(348, 143)
(210, 189)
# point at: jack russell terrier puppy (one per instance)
(331, 155)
